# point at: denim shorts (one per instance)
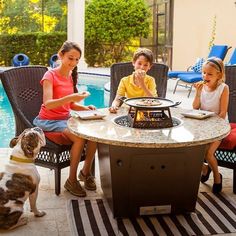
(50, 125)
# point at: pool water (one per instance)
(93, 84)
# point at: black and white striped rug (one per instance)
(215, 214)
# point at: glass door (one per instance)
(160, 40)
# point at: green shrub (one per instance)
(39, 47)
(110, 26)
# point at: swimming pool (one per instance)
(92, 83)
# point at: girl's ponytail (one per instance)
(75, 78)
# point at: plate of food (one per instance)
(90, 114)
(198, 114)
(148, 102)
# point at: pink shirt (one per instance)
(62, 86)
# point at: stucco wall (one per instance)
(193, 23)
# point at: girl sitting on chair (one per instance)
(60, 95)
(212, 95)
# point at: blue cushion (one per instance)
(218, 51)
(192, 78)
(198, 65)
(174, 74)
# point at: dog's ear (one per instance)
(13, 142)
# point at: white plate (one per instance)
(198, 114)
(89, 115)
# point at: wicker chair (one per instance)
(120, 70)
(25, 95)
(227, 158)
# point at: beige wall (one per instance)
(193, 23)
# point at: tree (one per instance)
(32, 16)
(15, 15)
(111, 25)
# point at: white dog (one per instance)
(20, 180)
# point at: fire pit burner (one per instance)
(125, 121)
(150, 112)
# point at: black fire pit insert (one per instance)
(148, 113)
(125, 121)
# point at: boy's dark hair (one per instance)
(66, 47)
(147, 53)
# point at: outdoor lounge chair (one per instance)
(232, 60)
(120, 70)
(226, 153)
(219, 51)
(188, 81)
(22, 86)
(196, 77)
(188, 78)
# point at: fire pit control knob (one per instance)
(119, 162)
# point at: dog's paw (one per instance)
(39, 214)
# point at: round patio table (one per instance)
(150, 171)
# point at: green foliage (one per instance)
(32, 16)
(20, 24)
(39, 47)
(57, 9)
(110, 26)
(16, 13)
(112, 29)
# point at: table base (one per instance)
(150, 180)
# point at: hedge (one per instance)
(39, 47)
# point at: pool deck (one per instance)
(55, 223)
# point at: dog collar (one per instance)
(18, 159)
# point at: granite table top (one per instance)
(190, 132)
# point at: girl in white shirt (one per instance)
(212, 95)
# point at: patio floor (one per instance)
(55, 222)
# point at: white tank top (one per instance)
(210, 101)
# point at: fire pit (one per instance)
(148, 113)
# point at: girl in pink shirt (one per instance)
(60, 95)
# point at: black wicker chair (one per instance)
(25, 95)
(120, 70)
(227, 158)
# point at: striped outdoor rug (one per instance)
(214, 215)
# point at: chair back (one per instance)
(232, 60)
(219, 51)
(22, 86)
(119, 70)
(230, 74)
